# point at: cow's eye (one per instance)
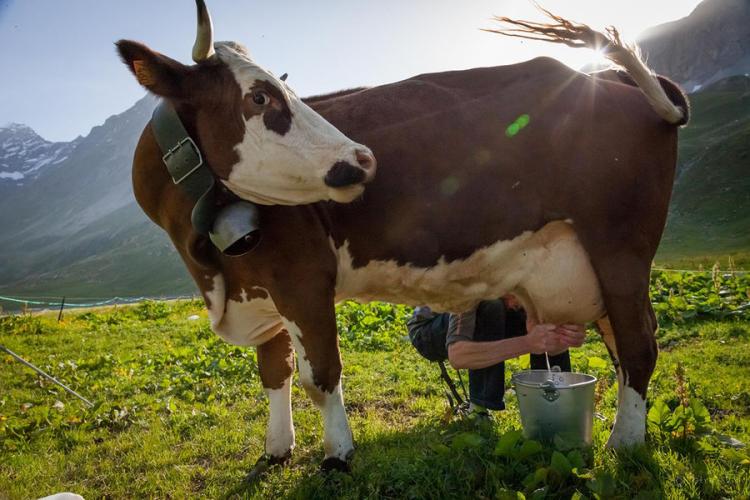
(261, 98)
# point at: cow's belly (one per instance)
(548, 270)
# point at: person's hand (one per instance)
(541, 338)
(568, 335)
(571, 335)
(553, 339)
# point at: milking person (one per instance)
(483, 338)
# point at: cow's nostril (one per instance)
(343, 174)
(366, 159)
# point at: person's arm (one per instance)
(541, 338)
(567, 335)
(476, 355)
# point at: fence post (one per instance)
(62, 305)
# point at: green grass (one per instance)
(739, 260)
(182, 414)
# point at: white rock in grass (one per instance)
(63, 496)
(193, 317)
(59, 405)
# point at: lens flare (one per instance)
(517, 125)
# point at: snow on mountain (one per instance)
(24, 155)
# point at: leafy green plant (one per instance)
(373, 326)
(688, 418)
(152, 310)
(681, 421)
(24, 324)
(680, 297)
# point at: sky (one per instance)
(61, 75)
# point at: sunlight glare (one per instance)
(598, 58)
(630, 18)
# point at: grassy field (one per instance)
(180, 414)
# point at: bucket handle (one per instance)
(549, 391)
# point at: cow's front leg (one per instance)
(320, 373)
(276, 366)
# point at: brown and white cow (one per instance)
(531, 179)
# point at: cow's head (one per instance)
(259, 138)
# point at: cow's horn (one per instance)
(204, 39)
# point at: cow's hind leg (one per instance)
(320, 373)
(628, 428)
(276, 365)
(628, 332)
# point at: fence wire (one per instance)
(111, 301)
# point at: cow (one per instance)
(530, 179)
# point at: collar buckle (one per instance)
(182, 161)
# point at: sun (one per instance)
(597, 58)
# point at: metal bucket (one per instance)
(556, 404)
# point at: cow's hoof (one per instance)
(616, 442)
(266, 462)
(624, 437)
(333, 463)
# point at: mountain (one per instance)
(76, 228)
(710, 209)
(24, 155)
(710, 44)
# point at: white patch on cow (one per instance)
(337, 441)
(247, 322)
(280, 431)
(285, 169)
(630, 423)
(548, 271)
(215, 299)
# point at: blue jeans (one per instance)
(496, 322)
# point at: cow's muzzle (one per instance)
(344, 174)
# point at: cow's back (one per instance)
(468, 158)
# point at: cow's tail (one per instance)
(561, 30)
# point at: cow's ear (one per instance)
(158, 73)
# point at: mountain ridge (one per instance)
(24, 154)
(77, 227)
(710, 44)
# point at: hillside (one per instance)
(710, 211)
(75, 229)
